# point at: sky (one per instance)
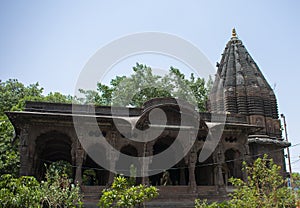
(50, 42)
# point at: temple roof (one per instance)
(240, 86)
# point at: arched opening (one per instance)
(204, 171)
(233, 165)
(176, 175)
(52, 147)
(92, 172)
(127, 166)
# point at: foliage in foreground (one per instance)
(264, 188)
(9, 154)
(56, 191)
(123, 194)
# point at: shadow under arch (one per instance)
(177, 174)
(51, 147)
(93, 173)
(204, 171)
(126, 166)
(233, 164)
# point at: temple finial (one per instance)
(233, 34)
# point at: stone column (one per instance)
(192, 160)
(148, 151)
(80, 154)
(182, 176)
(246, 158)
(192, 165)
(219, 158)
(26, 152)
(73, 155)
(112, 156)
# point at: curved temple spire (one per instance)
(240, 86)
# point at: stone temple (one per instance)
(241, 102)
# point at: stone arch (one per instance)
(51, 147)
(175, 110)
(178, 174)
(123, 165)
(233, 163)
(204, 171)
(92, 172)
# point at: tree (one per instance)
(296, 180)
(124, 194)
(12, 91)
(9, 154)
(264, 188)
(143, 85)
(19, 192)
(55, 192)
(13, 95)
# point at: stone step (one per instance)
(169, 196)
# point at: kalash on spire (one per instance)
(233, 34)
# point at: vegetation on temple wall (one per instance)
(123, 193)
(264, 188)
(143, 85)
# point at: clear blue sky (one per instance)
(50, 41)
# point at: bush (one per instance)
(264, 188)
(123, 194)
(56, 191)
(19, 192)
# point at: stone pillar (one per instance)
(26, 153)
(182, 176)
(192, 164)
(246, 158)
(112, 156)
(80, 154)
(219, 158)
(148, 151)
(73, 155)
(192, 160)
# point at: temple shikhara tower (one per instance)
(241, 88)
(251, 129)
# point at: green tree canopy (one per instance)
(13, 95)
(12, 91)
(143, 85)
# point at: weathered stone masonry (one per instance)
(240, 91)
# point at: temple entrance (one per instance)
(129, 167)
(92, 172)
(176, 175)
(52, 147)
(233, 165)
(204, 171)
